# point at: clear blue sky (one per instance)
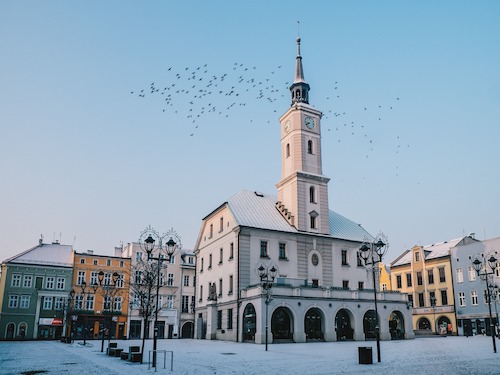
(83, 157)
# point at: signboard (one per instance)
(50, 322)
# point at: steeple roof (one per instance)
(299, 89)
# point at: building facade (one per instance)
(322, 290)
(100, 304)
(176, 293)
(470, 289)
(425, 274)
(34, 288)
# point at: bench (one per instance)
(111, 349)
(133, 355)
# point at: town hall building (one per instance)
(286, 266)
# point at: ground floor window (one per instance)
(135, 329)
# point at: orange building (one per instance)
(100, 302)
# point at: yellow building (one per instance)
(425, 274)
(100, 302)
(384, 277)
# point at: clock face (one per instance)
(287, 126)
(309, 121)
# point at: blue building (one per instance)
(472, 311)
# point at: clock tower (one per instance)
(302, 190)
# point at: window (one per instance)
(201, 293)
(25, 301)
(461, 298)
(359, 259)
(82, 261)
(61, 283)
(49, 282)
(472, 273)
(170, 301)
(108, 262)
(81, 277)
(221, 254)
(210, 261)
(96, 262)
(419, 278)
(94, 278)
(16, 280)
(410, 298)
(282, 250)
(122, 263)
(59, 303)
(27, 281)
(229, 318)
(442, 277)
(231, 251)
(230, 291)
(361, 285)
(220, 287)
(13, 301)
(47, 303)
(384, 287)
(421, 302)
(473, 297)
(120, 281)
(312, 194)
(138, 277)
(185, 304)
(186, 280)
(287, 150)
(430, 276)
(138, 256)
(313, 222)
(432, 298)
(344, 258)
(117, 305)
(201, 267)
(107, 278)
(211, 231)
(170, 279)
(263, 249)
(408, 280)
(417, 256)
(107, 303)
(219, 319)
(399, 284)
(89, 305)
(345, 284)
(221, 224)
(310, 147)
(460, 275)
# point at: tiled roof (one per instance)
(257, 210)
(46, 254)
(434, 251)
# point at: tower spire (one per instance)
(299, 89)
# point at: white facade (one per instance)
(320, 290)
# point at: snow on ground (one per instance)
(426, 355)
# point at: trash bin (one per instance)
(365, 355)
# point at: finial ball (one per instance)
(298, 39)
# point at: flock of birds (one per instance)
(197, 93)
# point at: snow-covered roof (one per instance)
(434, 251)
(258, 210)
(53, 254)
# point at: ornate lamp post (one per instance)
(85, 303)
(149, 241)
(107, 293)
(494, 297)
(372, 253)
(71, 299)
(481, 269)
(267, 275)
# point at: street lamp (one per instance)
(481, 270)
(107, 293)
(85, 303)
(372, 253)
(71, 298)
(267, 275)
(147, 242)
(433, 304)
(494, 297)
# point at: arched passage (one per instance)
(249, 323)
(11, 327)
(444, 325)
(397, 325)
(423, 323)
(369, 323)
(187, 331)
(282, 325)
(343, 325)
(313, 325)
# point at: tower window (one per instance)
(312, 194)
(313, 215)
(310, 147)
(313, 222)
(288, 150)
